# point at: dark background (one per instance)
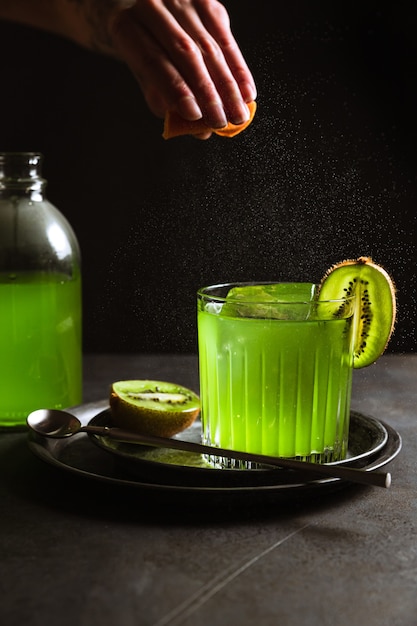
(326, 171)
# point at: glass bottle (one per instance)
(40, 296)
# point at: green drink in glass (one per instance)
(275, 370)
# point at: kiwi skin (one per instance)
(152, 417)
(376, 307)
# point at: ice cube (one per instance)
(288, 301)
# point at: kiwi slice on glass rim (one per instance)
(152, 407)
(375, 304)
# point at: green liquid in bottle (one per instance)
(40, 344)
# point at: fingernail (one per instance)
(239, 113)
(216, 116)
(248, 92)
(189, 109)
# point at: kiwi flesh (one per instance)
(375, 304)
(152, 407)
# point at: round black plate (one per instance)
(366, 437)
(77, 454)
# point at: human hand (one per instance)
(185, 58)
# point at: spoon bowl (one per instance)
(58, 424)
(54, 423)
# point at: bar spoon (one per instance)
(57, 424)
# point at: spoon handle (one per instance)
(315, 470)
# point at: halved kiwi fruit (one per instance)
(375, 304)
(153, 407)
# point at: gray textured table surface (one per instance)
(76, 552)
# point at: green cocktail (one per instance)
(275, 370)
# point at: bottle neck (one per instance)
(20, 175)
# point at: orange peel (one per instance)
(176, 126)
